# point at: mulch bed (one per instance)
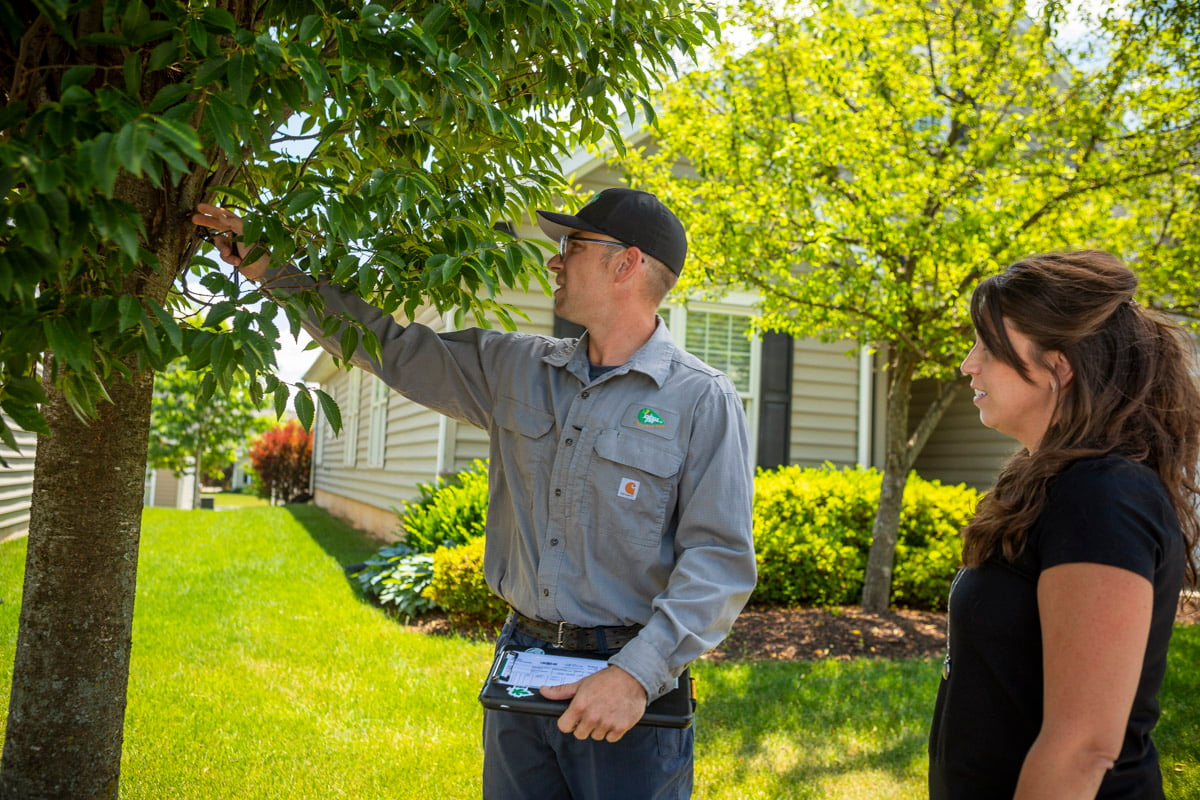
(808, 634)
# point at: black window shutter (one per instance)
(775, 395)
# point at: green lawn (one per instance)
(258, 673)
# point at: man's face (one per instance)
(581, 270)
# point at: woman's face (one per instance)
(1007, 402)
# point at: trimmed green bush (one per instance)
(458, 585)
(812, 533)
(451, 511)
(448, 513)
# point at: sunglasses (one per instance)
(562, 243)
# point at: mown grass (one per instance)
(258, 672)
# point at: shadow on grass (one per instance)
(826, 719)
(347, 545)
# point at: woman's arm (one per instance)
(1095, 624)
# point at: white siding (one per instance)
(16, 483)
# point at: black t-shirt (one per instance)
(1108, 511)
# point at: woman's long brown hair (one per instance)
(1134, 391)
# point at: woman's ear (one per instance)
(1061, 367)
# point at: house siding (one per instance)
(961, 449)
(16, 483)
(367, 497)
(824, 403)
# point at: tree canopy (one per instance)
(862, 165)
(378, 143)
(383, 143)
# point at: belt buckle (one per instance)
(558, 642)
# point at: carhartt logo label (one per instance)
(650, 418)
(629, 489)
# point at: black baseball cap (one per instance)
(629, 216)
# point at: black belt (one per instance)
(565, 636)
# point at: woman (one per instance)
(1061, 616)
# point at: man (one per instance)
(619, 510)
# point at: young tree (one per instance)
(282, 460)
(861, 165)
(187, 434)
(379, 142)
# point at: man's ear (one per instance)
(628, 264)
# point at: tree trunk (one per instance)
(67, 709)
(902, 449)
(877, 583)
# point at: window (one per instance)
(377, 427)
(319, 435)
(722, 341)
(720, 337)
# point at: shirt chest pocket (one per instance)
(523, 440)
(633, 486)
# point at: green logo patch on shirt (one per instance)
(650, 418)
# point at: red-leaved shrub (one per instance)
(281, 458)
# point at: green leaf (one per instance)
(219, 18)
(303, 403)
(168, 323)
(242, 72)
(310, 26)
(162, 56)
(77, 76)
(329, 408)
(301, 200)
(349, 342)
(184, 138)
(168, 96)
(132, 72)
(219, 121)
(281, 397)
(131, 311)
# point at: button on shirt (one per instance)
(616, 501)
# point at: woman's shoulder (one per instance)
(1107, 474)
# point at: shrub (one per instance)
(453, 511)
(446, 514)
(396, 578)
(458, 585)
(281, 459)
(812, 533)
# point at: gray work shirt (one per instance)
(624, 500)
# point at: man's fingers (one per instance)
(563, 691)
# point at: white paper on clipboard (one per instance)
(523, 668)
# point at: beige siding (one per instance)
(366, 496)
(961, 449)
(824, 403)
(166, 489)
(16, 483)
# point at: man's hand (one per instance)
(604, 705)
(227, 225)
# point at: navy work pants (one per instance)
(526, 757)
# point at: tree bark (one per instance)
(901, 451)
(67, 708)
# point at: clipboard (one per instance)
(504, 689)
